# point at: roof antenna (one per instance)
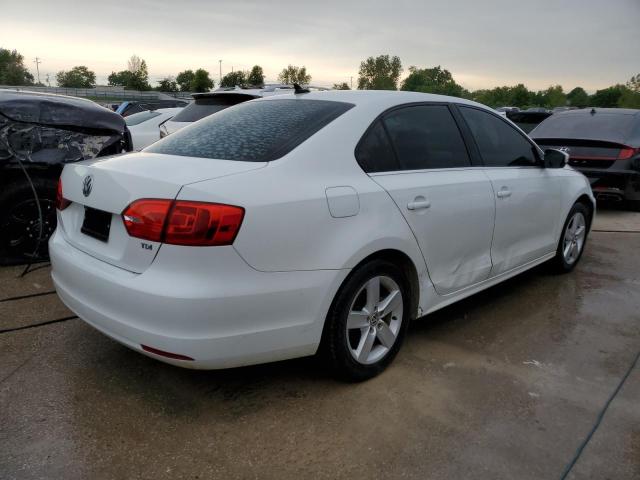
(298, 89)
(593, 111)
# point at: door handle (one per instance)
(418, 204)
(503, 193)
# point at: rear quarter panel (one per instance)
(288, 224)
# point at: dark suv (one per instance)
(604, 144)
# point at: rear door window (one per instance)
(426, 137)
(258, 131)
(203, 107)
(500, 144)
(374, 152)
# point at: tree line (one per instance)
(382, 72)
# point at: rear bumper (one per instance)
(201, 303)
(622, 183)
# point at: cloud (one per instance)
(484, 44)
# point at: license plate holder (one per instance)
(96, 224)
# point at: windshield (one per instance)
(258, 131)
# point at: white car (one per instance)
(205, 104)
(145, 126)
(318, 221)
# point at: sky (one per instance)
(488, 43)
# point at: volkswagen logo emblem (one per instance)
(87, 185)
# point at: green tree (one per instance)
(184, 79)
(167, 84)
(519, 96)
(341, 86)
(608, 97)
(136, 77)
(120, 79)
(634, 83)
(292, 74)
(232, 79)
(256, 76)
(431, 80)
(553, 97)
(629, 98)
(12, 69)
(495, 97)
(77, 77)
(578, 97)
(379, 73)
(201, 81)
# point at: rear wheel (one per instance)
(367, 321)
(573, 239)
(21, 238)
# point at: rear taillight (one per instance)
(181, 222)
(199, 223)
(61, 202)
(627, 152)
(146, 218)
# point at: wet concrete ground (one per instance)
(506, 384)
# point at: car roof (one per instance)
(596, 110)
(381, 98)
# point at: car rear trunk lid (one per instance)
(100, 190)
(585, 153)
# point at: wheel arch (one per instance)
(589, 205)
(392, 255)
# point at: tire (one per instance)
(379, 330)
(573, 239)
(20, 239)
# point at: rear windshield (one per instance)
(612, 127)
(203, 107)
(258, 131)
(138, 118)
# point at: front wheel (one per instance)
(573, 239)
(367, 321)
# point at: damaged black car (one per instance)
(39, 133)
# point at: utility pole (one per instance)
(351, 83)
(37, 61)
(220, 61)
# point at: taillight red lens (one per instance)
(199, 223)
(61, 202)
(627, 152)
(183, 222)
(145, 218)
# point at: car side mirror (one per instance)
(555, 158)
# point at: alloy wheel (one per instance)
(574, 237)
(374, 320)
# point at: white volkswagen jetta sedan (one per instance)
(311, 222)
